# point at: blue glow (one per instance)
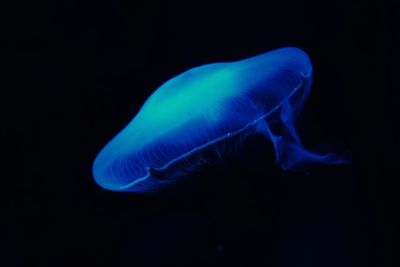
(194, 117)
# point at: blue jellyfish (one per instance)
(191, 119)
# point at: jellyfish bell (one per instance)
(194, 117)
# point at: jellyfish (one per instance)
(195, 117)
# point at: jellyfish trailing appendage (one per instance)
(192, 118)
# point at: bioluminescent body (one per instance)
(190, 119)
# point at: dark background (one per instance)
(78, 71)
